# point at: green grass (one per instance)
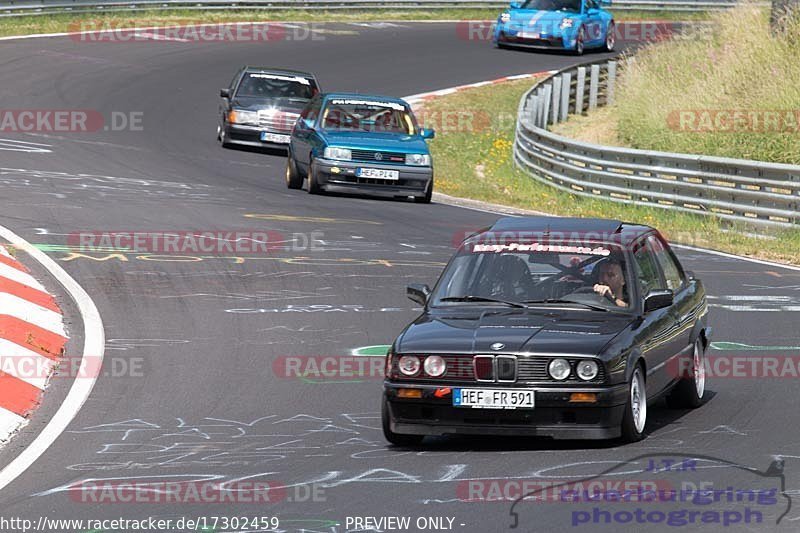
(666, 94)
(476, 163)
(62, 22)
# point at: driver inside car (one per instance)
(611, 282)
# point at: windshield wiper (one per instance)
(562, 301)
(471, 298)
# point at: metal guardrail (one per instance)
(11, 8)
(732, 189)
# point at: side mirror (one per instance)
(419, 293)
(427, 133)
(225, 93)
(515, 5)
(657, 299)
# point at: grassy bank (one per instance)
(63, 22)
(733, 93)
(476, 163)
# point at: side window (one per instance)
(646, 268)
(311, 112)
(672, 271)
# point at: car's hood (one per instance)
(520, 330)
(294, 105)
(535, 19)
(364, 140)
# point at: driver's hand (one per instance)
(603, 290)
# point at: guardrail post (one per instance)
(565, 88)
(540, 96)
(556, 99)
(579, 88)
(533, 104)
(548, 91)
(594, 81)
(612, 76)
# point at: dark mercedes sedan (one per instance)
(558, 327)
(261, 105)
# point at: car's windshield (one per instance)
(350, 114)
(258, 85)
(573, 6)
(536, 273)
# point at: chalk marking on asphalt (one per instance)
(93, 346)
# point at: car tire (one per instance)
(635, 418)
(428, 194)
(313, 186)
(690, 392)
(611, 37)
(223, 138)
(397, 439)
(580, 41)
(293, 179)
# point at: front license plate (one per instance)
(274, 137)
(528, 35)
(378, 173)
(493, 398)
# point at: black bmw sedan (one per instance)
(261, 105)
(558, 327)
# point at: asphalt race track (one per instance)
(200, 398)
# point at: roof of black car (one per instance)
(267, 70)
(572, 226)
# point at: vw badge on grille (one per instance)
(378, 156)
(497, 346)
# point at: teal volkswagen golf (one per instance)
(356, 143)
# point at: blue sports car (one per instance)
(573, 25)
(350, 142)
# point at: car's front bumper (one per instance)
(251, 136)
(544, 42)
(340, 176)
(553, 414)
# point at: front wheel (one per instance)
(397, 439)
(428, 194)
(690, 392)
(635, 418)
(313, 186)
(579, 41)
(611, 37)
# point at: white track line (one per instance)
(37, 315)
(93, 346)
(15, 274)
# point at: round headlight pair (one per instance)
(559, 369)
(409, 365)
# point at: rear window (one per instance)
(258, 85)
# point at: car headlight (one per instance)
(559, 369)
(505, 17)
(420, 160)
(566, 23)
(332, 152)
(409, 365)
(587, 370)
(435, 366)
(240, 116)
